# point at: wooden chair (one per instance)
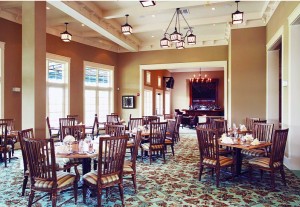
(130, 166)
(150, 119)
(209, 153)
(263, 132)
(75, 116)
(275, 161)
(110, 169)
(204, 126)
(5, 148)
(42, 169)
(10, 127)
(134, 123)
(156, 140)
(250, 122)
(220, 125)
(26, 133)
(53, 131)
(112, 119)
(178, 119)
(115, 130)
(93, 130)
(77, 131)
(65, 122)
(170, 135)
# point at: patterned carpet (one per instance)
(172, 184)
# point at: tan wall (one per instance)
(248, 73)
(180, 93)
(129, 67)
(12, 69)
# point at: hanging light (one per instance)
(200, 79)
(66, 36)
(126, 28)
(177, 37)
(147, 3)
(237, 17)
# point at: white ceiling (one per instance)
(102, 21)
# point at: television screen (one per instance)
(170, 83)
(204, 91)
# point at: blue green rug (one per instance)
(172, 184)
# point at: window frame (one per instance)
(144, 92)
(148, 77)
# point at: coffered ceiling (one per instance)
(98, 23)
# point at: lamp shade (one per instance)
(66, 36)
(164, 42)
(191, 39)
(237, 17)
(126, 28)
(180, 45)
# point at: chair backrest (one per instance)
(77, 131)
(178, 123)
(150, 119)
(260, 121)
(263, 132)
(26, 133)
(204, 126)
(112, 119)
(115, 130)
(41, 160)
(48, 125)
(3, 135)
(250, 122)
(208, 144)
(168, 116)
(9, 122)
(137, 142)
(171, 129)
(65, 122)
(111, 156)
(220, 125)
(158, 133)
(135, 122)
(278, 146)
(75, 116)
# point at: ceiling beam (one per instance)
(96, 24)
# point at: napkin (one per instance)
(248, 137)
(255, 142)
(243, 127)
(223, 136)
(227, 140)
(69, 138)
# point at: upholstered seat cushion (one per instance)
(63, 179)
(264, 162)
(91, 177)
(130, 144)
(168, 141)
(224, 161)
(254, 152)
(128, 163)
(146, 146)
(127, 169)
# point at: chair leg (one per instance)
(200, 172)
(150, 156)
(261, 174)
(134, 182)
(75, 191)
(172, 147)
(250, 173)
(54, 197)
(84, 190)
(25, 180)
(31, 196)
(282, 175)
(121, 193)
(164, 156)
(218, 177)
(95, 164)
(5, 159)
(99, 196)
(273, 180)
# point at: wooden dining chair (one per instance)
(134, 123)
(42, 170)
(262, 132)
(11, 140)
(220, 125)
(115, 130)
(156, 140)
(75, 116)
(53, 131)
(26, 133)
(77, 131)
(130, 166)
(65, 122)
(110, 169)
(250, 122)
(93, 130)
(112, 119)
(5, 148)
(209, 153)
(170, 135)
(274, 162)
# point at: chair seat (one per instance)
(63, 179)
(254, 152)
(224, 161)
(168, 141)
(127, 163)
(92, 177)
(8, 148)
(129, 144)
(264, 162)
(146, 146)
(127, 169)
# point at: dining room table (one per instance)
(238, 145)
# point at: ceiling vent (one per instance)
(185, 11)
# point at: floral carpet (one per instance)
(174, 183)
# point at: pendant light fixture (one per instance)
(126, 28)
(237, 17)
(147, 3)
(200, 79)
(66, 36)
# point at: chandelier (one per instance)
(66, 36)
(237, 17)
(177, 37)
(200, 79)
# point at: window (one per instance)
(1, 79)
(159, 82)
(148, 102)
(57, 87)
(148, 77)
(167, 102)
(159, 102)
(98, 91)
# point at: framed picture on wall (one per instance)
(128, 102)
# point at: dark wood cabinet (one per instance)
(205, 112)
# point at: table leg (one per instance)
(86, 165)
(238, 161)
